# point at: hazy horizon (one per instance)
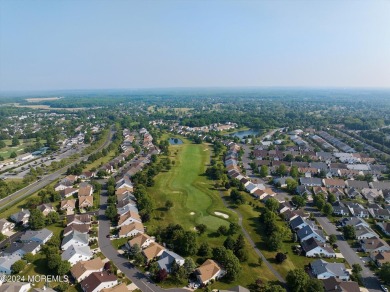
(131, 45)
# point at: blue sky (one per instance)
(47, 45)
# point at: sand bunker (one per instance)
(192, 213)
(222, 215)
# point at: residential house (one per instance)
(21, 248)
(118, 288)
(353, 193)
(62, 186)
(363, 232)
(15, 287)
(357, 210)
(335, 285)
(85, 189)
(21, 217)
(261, 194)
(323, 270)
(314, 248)
(337, 192)
(308, 232)
(339, 209)
(69, 179)
(76, 254)
(380, 258)
(380, 185)
(98, 281)
(86, 175)
(167, 259)
(123, 208)
(75, 238)
(311, 181)
(85, 202)
(68, 192)
(83, 269)
(372, 194)
(78, 219)
(46, 209)
(385, 227)
(68, 206)
(303, 190)
(320, 190)
(154, 250)
(124, 183)
(129, 217)
(356, 184)
(298, 223)
(374, 245)
(6, 263)
(354, 221)
(81, 228)
(6, 226)
(143, 241)
(131, 229)
(208, 271)
(377, 212)
(284, 206)
(333, 183)
(41, 236)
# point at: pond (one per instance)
(175, 141)
(242, 134)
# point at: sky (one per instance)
(57, 45)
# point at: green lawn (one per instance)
(6, 151)
(190, 191)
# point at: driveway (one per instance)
(371, 282)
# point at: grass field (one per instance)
(192, 192)
(6, 151)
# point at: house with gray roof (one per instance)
(315, 248)
(357, 210)
(311, 181)
(75, 238)
(16, 287)
(76, 254)
(363, 232)
(40, 236)
(356, 184)
(380, 185)
(354, 221)
(308, 232)
(21, 217)
(168, 258)
(298, 223)
(324, 270)
(6, 262)
(339, 209)
(21, 248)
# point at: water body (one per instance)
(175, 141)
(242, 134)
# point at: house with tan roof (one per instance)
(81, 228)
(131, 230)
(333, 183)
(143, 240)
(154, 250)
(129, 217)
(85, 202)
(68, 192)
(261, 194)
(85, 189)
(97, 281)
(374, 245)
(6, 226)
(118, 288)
(46, 209)
(78, 219)
(208, 271)
(68, 206)
(83, 269)
(380, 258)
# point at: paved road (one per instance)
(138, 278)
(36, 186)
(370, 281)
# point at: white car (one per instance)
(384, 288)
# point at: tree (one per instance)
(189, 265)
(274, 241)
(349, 232)
(53, 261)
(2, 144)
(229, 243)
(52, 217)
(37, 220)
(272, 204)
(356, 269)
(327, 209)
(297, 280)
(161, 275)
(63, 268)
(268, 219)
(29, 257)
(240, 243)
(201, 228)
(281, 170)
(292, 185)
(314, 285)
(222, 230)
(237, 197)
(299, 201)
(168, 204)
(186, 244)
(319, 201)
(229, 261)
(294, 171)
(332, 198)
(332, 239)
(280, 257)
(13, 154)
(264, 171)
(204, 250)
(273, 288)
(384, 272)
(234, 228)
(111, 212)
(18, 266)
(15, 141)
(260, 261)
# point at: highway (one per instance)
(39, 184)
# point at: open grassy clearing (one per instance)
(101, 161)
(193, 193)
